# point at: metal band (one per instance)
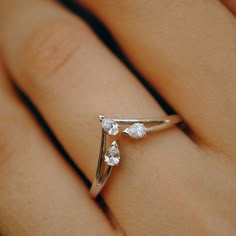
(154, 124)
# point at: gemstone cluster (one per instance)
(111, 127)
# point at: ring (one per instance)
(110, 153)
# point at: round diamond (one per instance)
(110, 126)
(112, 156)
(136, 130)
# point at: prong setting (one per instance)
(101, 117)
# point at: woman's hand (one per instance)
(172, 183)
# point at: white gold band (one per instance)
(110, 154)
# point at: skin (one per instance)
(171, 183)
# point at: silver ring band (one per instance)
(110, 154)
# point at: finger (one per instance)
(39, 193)
(187, 52)
(231, 4)
(72, 78)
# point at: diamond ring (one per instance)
(113, 129)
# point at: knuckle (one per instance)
(48, 49)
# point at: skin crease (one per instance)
(166, 184)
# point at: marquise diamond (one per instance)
(110, 126)
(112, 156)
(136, 131)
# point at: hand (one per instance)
(172, 183)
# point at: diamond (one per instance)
(110, 126)
(112, 156)
(136, 131)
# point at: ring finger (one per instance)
(71, 77)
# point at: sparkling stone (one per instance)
(110, 126)
(136, 131)
(112, 156)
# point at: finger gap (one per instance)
(112, 219)
(41, 121)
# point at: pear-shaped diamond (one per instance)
(110, 126)
(136, 131)
(112, 156)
